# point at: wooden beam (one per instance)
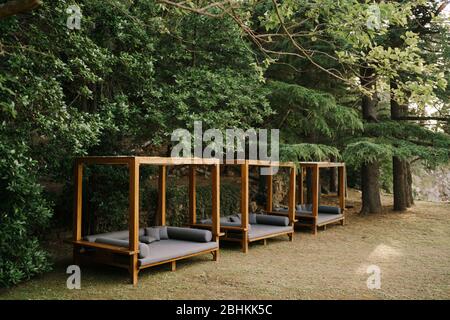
(134, 218)
(300, 195)
(342, 187)
(78, 208)
(162, 196)
(291, 207)
(269, 205)
(315, 191)
(216, 202)
(244, 205)
(192, 195)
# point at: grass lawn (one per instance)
(412, 249)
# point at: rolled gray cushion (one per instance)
(252, 218)
(329, 209)
(153, 232)
(272, 220)
(280, 209)
(144, 250)
(189, 234)
(147, 239)
(224, 219)
(205, 221)
(163, 233)
(113, 235)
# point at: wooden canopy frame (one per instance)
(307, 220)
(108, 253)
(244, 204)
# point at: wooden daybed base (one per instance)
(85, 251)
(244, 235)
(310, 221)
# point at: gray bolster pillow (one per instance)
(189, 234)
(144, 250)
(272, 220)
(120, 235)
(329, 209)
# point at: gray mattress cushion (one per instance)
(326, 217)
(261, 230)
(169, 249)
(252, 218)
(189, 234)
(144, 250)
(322, 218)
(272, 220)
(113, 235)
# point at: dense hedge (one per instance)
(23, 214)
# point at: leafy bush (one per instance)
(23, 213)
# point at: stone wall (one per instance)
(431, 185)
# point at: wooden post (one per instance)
(192, 195)
(216, 202)
(244, 205)
(78, 201)
(342, 185)
(291, 206)
(301, 199)
(173, 266)
(269, 205)
(78, 207)
(315, 196)
(134, 218)
(162, 195)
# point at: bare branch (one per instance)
(13, 7)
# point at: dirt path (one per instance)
(412, 250)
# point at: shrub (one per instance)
(23, 214)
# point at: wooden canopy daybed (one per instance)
(314, 215)
(245, 227)
(143, 251)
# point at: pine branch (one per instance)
(418, 118)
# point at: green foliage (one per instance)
(23, 212)
(307, 152)
(366, 151)
(178, 202)
(305, 111)
(405, 140)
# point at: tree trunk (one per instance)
(409, 193)
(370, 172)
(370, 185)
(401, 183)
(399, 176)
